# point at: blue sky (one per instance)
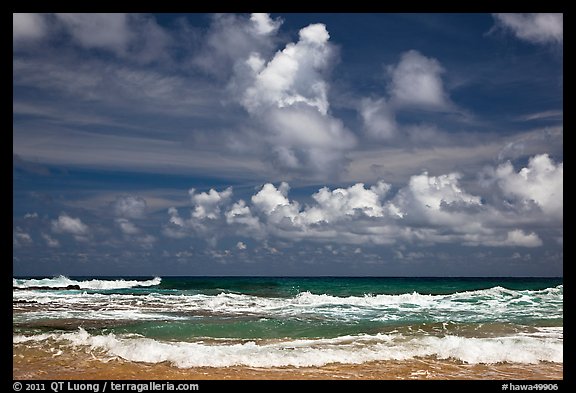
(288, 144)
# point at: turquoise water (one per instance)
(272, 321)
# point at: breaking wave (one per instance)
(62, 282)
(309, 352)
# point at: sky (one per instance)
(288, 144)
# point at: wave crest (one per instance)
(63, 281)
(314, 352)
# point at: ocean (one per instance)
(301, 327)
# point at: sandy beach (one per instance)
(32, 363)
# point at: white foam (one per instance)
(307, 353)
(546, 331)
(115, 315)
(494, 304)
(62, 281)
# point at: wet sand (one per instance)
(30, 362)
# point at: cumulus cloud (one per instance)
(276, 210)
(70, 225)
(417, 81)
(263, 24)
(208, 204)
(293, 75)
(360, 215)
(127, 227)
(301, 140)
(28, 27)
(541, 182)
(286, 95)
(232, 37)
(427, 210)
(130, 207)
(207, 210)
(241, 246)
(429, 196)
(544, 28)
(516, 238)
(241, 214)
(269, 197)
(344, 203)
(176, 227)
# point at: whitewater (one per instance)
(291, 322)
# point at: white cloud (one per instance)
(241, 246)
(175, 228)
(145, 241)
(20, 237)
(127, 227)
(286, 96)
(516, 238)
(135, 35)
(175, 217)
(299, 137)
(417, 81)
(28, 27)
(241, 214)
(354, 215)
(301, 127)
(306, 142)
(548, 115)
(99, 30)
(130, 207)
(541, 28)
(346, 203)
(379, 118)
(78, 76)
(50, 241)
(542, 182)
(278, 210)
(205, 215)
(427, 210)
(208, 205)
(294, 75)
(31, 215)
(436, 200)
(533, 142)
(150, 42)
(70, 225)
(263, 24)
(270, 197)
(232, 37)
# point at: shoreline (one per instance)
(31, 363)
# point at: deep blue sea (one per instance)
(277, 321)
